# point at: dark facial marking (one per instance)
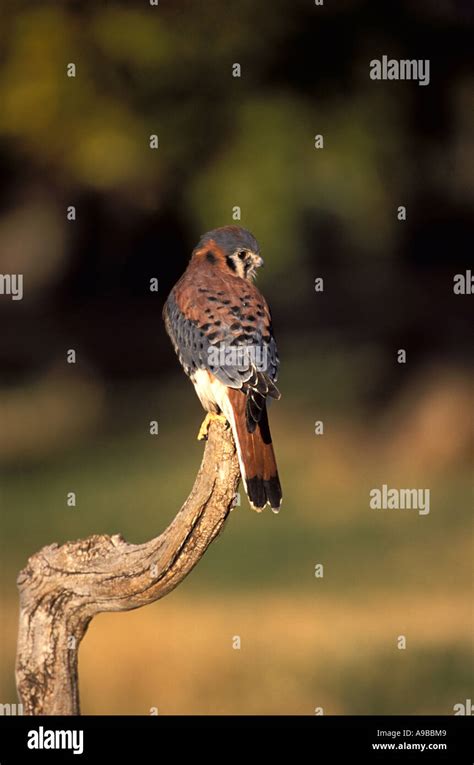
(230, 263)
(210, 257)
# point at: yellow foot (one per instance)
(210, 416)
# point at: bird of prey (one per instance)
(221, 329)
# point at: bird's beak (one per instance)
(259, 261)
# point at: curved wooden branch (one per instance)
(63, 588)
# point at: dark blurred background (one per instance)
(330, 213)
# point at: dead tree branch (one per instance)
(63, 588)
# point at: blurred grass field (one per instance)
(306, 642)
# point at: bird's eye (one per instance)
(242, 254)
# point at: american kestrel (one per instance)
(221, 329)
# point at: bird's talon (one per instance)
(204, 429)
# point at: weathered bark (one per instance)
(63, 588)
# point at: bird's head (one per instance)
(231, 248)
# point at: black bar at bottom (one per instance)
(364, 739)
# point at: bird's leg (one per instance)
(210, 416)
